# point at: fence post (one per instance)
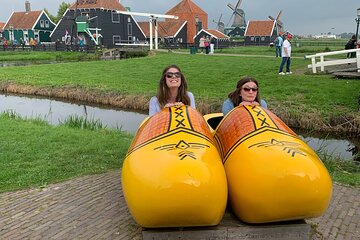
(313, 64)
(322, 68)
(358, 59)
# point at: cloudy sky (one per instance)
(299, 16)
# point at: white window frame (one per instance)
(113, 14)
(129, 20)
(116, 37)
(129, 29)
(47, 23)
(42, 24)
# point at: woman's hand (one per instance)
(174, 104)
(245, 103)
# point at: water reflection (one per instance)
(55, 112)
(346, 149)
(25, 63)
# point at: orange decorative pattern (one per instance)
(244, 120)
(167, 121)
(230, 131)
(279, 123)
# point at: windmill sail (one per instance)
(238, 14)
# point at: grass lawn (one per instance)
(33, 153)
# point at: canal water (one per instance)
(55, 112)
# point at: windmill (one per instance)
(238, 14)
(279, 24)
(220, 26)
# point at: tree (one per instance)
(62, 9)
(52, 17)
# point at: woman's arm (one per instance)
(154, 106)
(227, 106)
(192, 100)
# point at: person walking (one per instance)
(278, 43)
(286, 55)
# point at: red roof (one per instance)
(188, 11)
(165, 29)
(260, 28)
(2, 25)
(95, 4)
(23, 20)
(185, 6)
(216, 33)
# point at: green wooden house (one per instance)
(27, 25)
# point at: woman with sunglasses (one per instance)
(172, 91)
(246, 93)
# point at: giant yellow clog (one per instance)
(272, 174)
(173, 175)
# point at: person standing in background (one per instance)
(202, 43)
(212, 45)
(278, 43)
(286, 55)
(351, 44)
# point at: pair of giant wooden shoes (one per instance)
(180, 170)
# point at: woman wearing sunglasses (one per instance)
(246, 93)
(172, 91)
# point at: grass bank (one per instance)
(33, 153)
(49, 56)
(306, 101)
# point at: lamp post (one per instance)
(357, 20)
(197, 23)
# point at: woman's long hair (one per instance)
(235, 95)
(163, 90)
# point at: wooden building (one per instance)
(260, 32)
(28, 24)
(98, 22)
(221, 40)
(196, 19)
(235, 31)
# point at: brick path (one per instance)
(93, 207)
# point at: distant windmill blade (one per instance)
(220, 18)
(231, 6)
(239, 14)
(279, 14)
(238, 4)
(271, 18)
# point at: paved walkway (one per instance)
(93, 207)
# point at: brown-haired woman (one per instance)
(172, 91)
(246, 93)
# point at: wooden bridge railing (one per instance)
(322, 63)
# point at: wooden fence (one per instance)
(318, 60)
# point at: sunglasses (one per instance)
(247, 89)
(171, 74)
